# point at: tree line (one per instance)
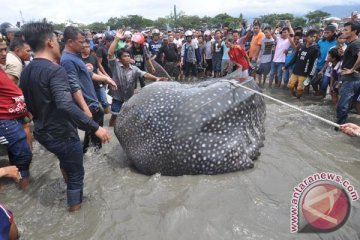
(195, 22)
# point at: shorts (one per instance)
(116, 106)
(297, 80)
(264, 68)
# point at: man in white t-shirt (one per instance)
(177, 40)
(282, 45)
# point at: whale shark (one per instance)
(209, 127)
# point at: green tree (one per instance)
(189, 22)
(274, 19)
(147, 22)
(205, 22)
(316, 17)
(96, 26)
(221, 19)
(114, 23)
(161, 22)
(241, 17)
(171, 20)
(58, 26)
(298, 21)
(135, 21)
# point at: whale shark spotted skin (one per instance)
(176, 129)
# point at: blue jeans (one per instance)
(324, 83)
(350, 85)
(12, 135)
(288, 73)
(116, 107)
(216, 65)
(70, 154)
(101, 95)
(276, 68)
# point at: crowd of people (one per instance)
(59, 81)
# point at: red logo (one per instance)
(325, 207)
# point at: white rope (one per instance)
(291, 106)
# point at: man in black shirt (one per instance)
(304, 64)
(56, 117)
(171, 57)
(92, 64)
(350, 73)
(102, 55)
(89, 60)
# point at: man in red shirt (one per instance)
(12, 112)
(238, 56)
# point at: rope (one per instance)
(291, 106)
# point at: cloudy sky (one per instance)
(101, 10)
